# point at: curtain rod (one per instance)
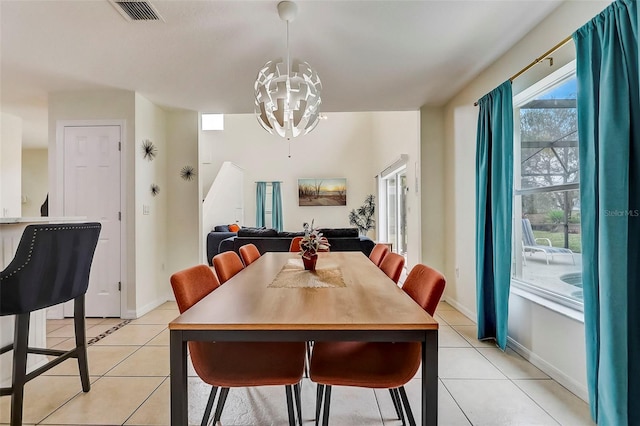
(544, 56)
(268, 181)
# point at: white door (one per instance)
(92, 189)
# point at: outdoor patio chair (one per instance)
(530, 244)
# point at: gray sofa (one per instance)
(341, 239)
(214, 238)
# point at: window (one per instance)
(268, 206)
(392, 190)
(212, 121)
(546, 214)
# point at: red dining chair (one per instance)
(378, 253)
(382, 365)
(295, 244)
(233, 364)
(249, 254)
(227, 264)
(392, 265)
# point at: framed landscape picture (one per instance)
(322, 192)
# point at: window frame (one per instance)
(555, 301)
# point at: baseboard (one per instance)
(560, 377)
(462, 309)
(146, 308)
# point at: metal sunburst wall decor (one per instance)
(187, 173)
(155, 189)
(149, 150)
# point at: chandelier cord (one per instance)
(288, 57)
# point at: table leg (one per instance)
(430, 378)
(178, 380)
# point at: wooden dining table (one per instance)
(274, 299)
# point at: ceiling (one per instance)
(205, 55)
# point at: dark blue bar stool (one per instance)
(51, 266)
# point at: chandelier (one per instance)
(287, 98)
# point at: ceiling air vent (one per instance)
(137, 10)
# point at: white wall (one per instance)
(10, 165)
(183, 199)
(344, 145)
(35, 180)
(552, 341)
(224, 203)
(432, 194)
(152, 282)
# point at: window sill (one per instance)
(565, 307)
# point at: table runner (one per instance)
(293, 275)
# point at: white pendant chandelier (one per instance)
(287, 98)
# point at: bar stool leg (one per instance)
(19, 377)
(81, 341)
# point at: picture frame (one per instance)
(322, 192)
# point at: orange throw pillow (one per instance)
(234, 228)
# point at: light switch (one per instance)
(145, 209)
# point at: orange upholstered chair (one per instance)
(392, 265)
(382, 365)
(249, 254)
(295, 244)
(227, 264)
(229, 364)
(378, 253)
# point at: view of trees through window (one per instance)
(547, 242)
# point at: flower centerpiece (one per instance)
(312, 242)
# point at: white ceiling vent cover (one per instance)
(137, 10)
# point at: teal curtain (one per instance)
(276, 209)
(261, 200)
(609, 132)
(494, 195)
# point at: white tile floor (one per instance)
(129, 369)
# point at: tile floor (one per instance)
(129, 369)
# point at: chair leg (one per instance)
(396, 404)
(292, 416)
(81, 342)
(221, 400)
(407, 407)
(297, 392)
(327, 401)
(307, 358)
(21, 341)
(319, 394)
(207, 410)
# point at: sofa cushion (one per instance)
(285, 234)
(234, 227)
(257, 232)
(221, 228)
(339, 232)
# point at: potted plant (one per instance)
(362, 217)
(312, 242)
